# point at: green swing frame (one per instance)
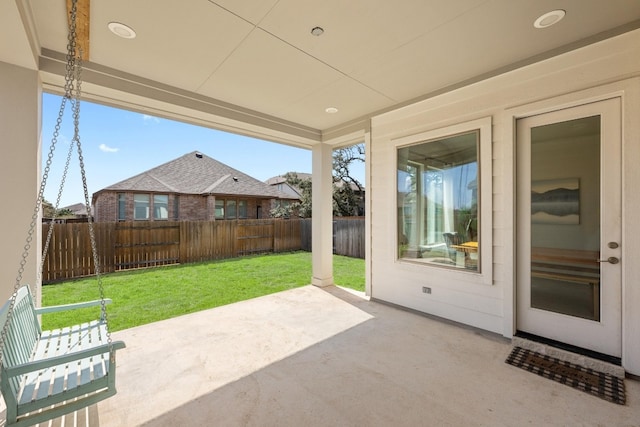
(47, 374)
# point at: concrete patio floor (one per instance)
(326, 357)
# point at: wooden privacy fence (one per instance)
(348, 236)
(128, 245)
(144, 244)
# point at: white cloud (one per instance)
(147, 118)
(107, 149)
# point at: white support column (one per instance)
(322, 221)
(367, 210)
(20, 111)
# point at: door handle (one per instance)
(610, 260)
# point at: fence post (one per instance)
(123, 245)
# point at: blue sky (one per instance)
(118, 144)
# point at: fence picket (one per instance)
(127, 245)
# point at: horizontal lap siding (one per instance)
(488, 307)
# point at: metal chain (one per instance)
(45, 250)
(72, 72)
(92, 234)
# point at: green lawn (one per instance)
(149, 295)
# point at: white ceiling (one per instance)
(257, 58)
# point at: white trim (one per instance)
(603, 335)
(628, 91)
(484, 125)
(510, 117)
(367, 218)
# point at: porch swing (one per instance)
(47, 374)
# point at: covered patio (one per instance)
(391, 75)
(328, 357)
(331, 357)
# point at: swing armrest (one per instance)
(65, 307)
(50, 362)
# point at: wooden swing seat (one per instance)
(46, 374)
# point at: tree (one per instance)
(301, 209)
(347, 190)
(48, 211)
(65, 212)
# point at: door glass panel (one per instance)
(565, 217)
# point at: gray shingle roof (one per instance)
(196, 173)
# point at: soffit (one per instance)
(259, 55)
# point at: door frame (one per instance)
(629, 91)
(604, 335)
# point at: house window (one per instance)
(242, 209)
(231, 209)
(160, 206)
(122, 207)
(219, 209)
(141, 206)
(438, 201)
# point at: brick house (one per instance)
(193, 187)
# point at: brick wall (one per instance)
(191, 207)
(262, 213)
(105, 207)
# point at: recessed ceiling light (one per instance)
(122, 30)
(549, 18)
(317, 31)
(331, 110)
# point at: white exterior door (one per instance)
(568, 236)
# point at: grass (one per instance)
(145, 296)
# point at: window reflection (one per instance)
(438, 202)
(161, 206)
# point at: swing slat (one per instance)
(46, 374)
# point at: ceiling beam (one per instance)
(82, 26)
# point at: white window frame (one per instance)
(485, 194)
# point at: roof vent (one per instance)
(199, 155)
(235, 178)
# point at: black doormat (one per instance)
(605, 386)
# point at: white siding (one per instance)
(609, 68)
